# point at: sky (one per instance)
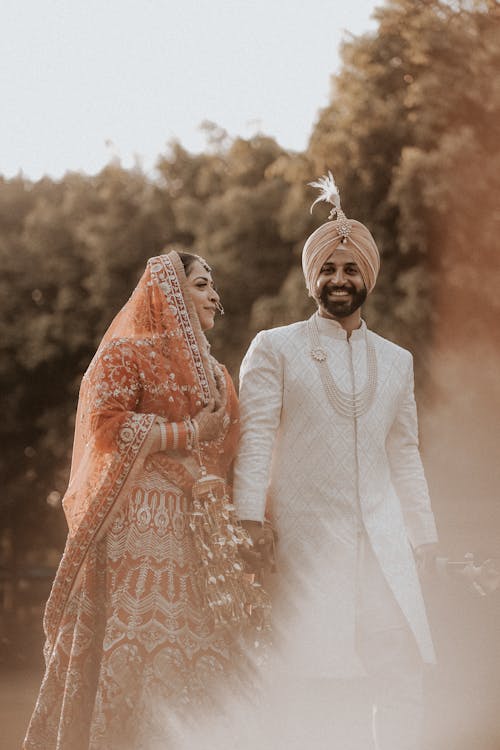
(85, 81)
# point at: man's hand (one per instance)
(260, 557)
(425, 556)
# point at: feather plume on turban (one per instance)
(343, 232)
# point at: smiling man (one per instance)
(330, 446)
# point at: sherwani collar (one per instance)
(332, 328)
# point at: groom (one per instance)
(330, 447)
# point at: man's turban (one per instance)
(327, 238)
(349, 233)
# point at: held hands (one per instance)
(260, 557)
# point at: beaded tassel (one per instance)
(233, 595)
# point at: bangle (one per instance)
(194, 425)
(163, 436)
(188, 424)
(175, 435)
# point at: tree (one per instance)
(415, 103)
(225, 204)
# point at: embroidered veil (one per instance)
(156, 342)
(127, 621)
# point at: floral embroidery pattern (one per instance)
(126, 625)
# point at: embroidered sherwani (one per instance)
(347, 495)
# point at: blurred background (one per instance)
(129, 126)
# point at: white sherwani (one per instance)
(331, 483)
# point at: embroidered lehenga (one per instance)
(129, 635)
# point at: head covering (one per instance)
(155, 347)
(156, 336)
(343, 232)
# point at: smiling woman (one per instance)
(201, 287)
(134, 631)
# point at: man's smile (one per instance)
(339, 292)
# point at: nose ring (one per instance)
(219, 308)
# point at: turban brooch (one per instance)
(338, 230)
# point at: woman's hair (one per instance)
(188, 259)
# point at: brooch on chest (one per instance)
(349, 404)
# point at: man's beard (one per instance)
(342, 308)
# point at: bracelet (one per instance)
(175, 436)
(194, 425)
(163, 436)
(190, 434)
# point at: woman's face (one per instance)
(202, 290)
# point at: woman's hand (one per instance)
(209, 424)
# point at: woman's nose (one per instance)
(214, 295)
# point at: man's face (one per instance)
(340, 286)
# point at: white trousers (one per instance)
(390, 656)
(382, 711)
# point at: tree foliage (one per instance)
(414, 127)
(412, 135)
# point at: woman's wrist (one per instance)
(163, 436)
(174, 436)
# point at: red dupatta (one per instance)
(154, 349)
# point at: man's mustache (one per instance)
(337, 288)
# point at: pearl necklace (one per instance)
(347, 404)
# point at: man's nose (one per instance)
(338, 277)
